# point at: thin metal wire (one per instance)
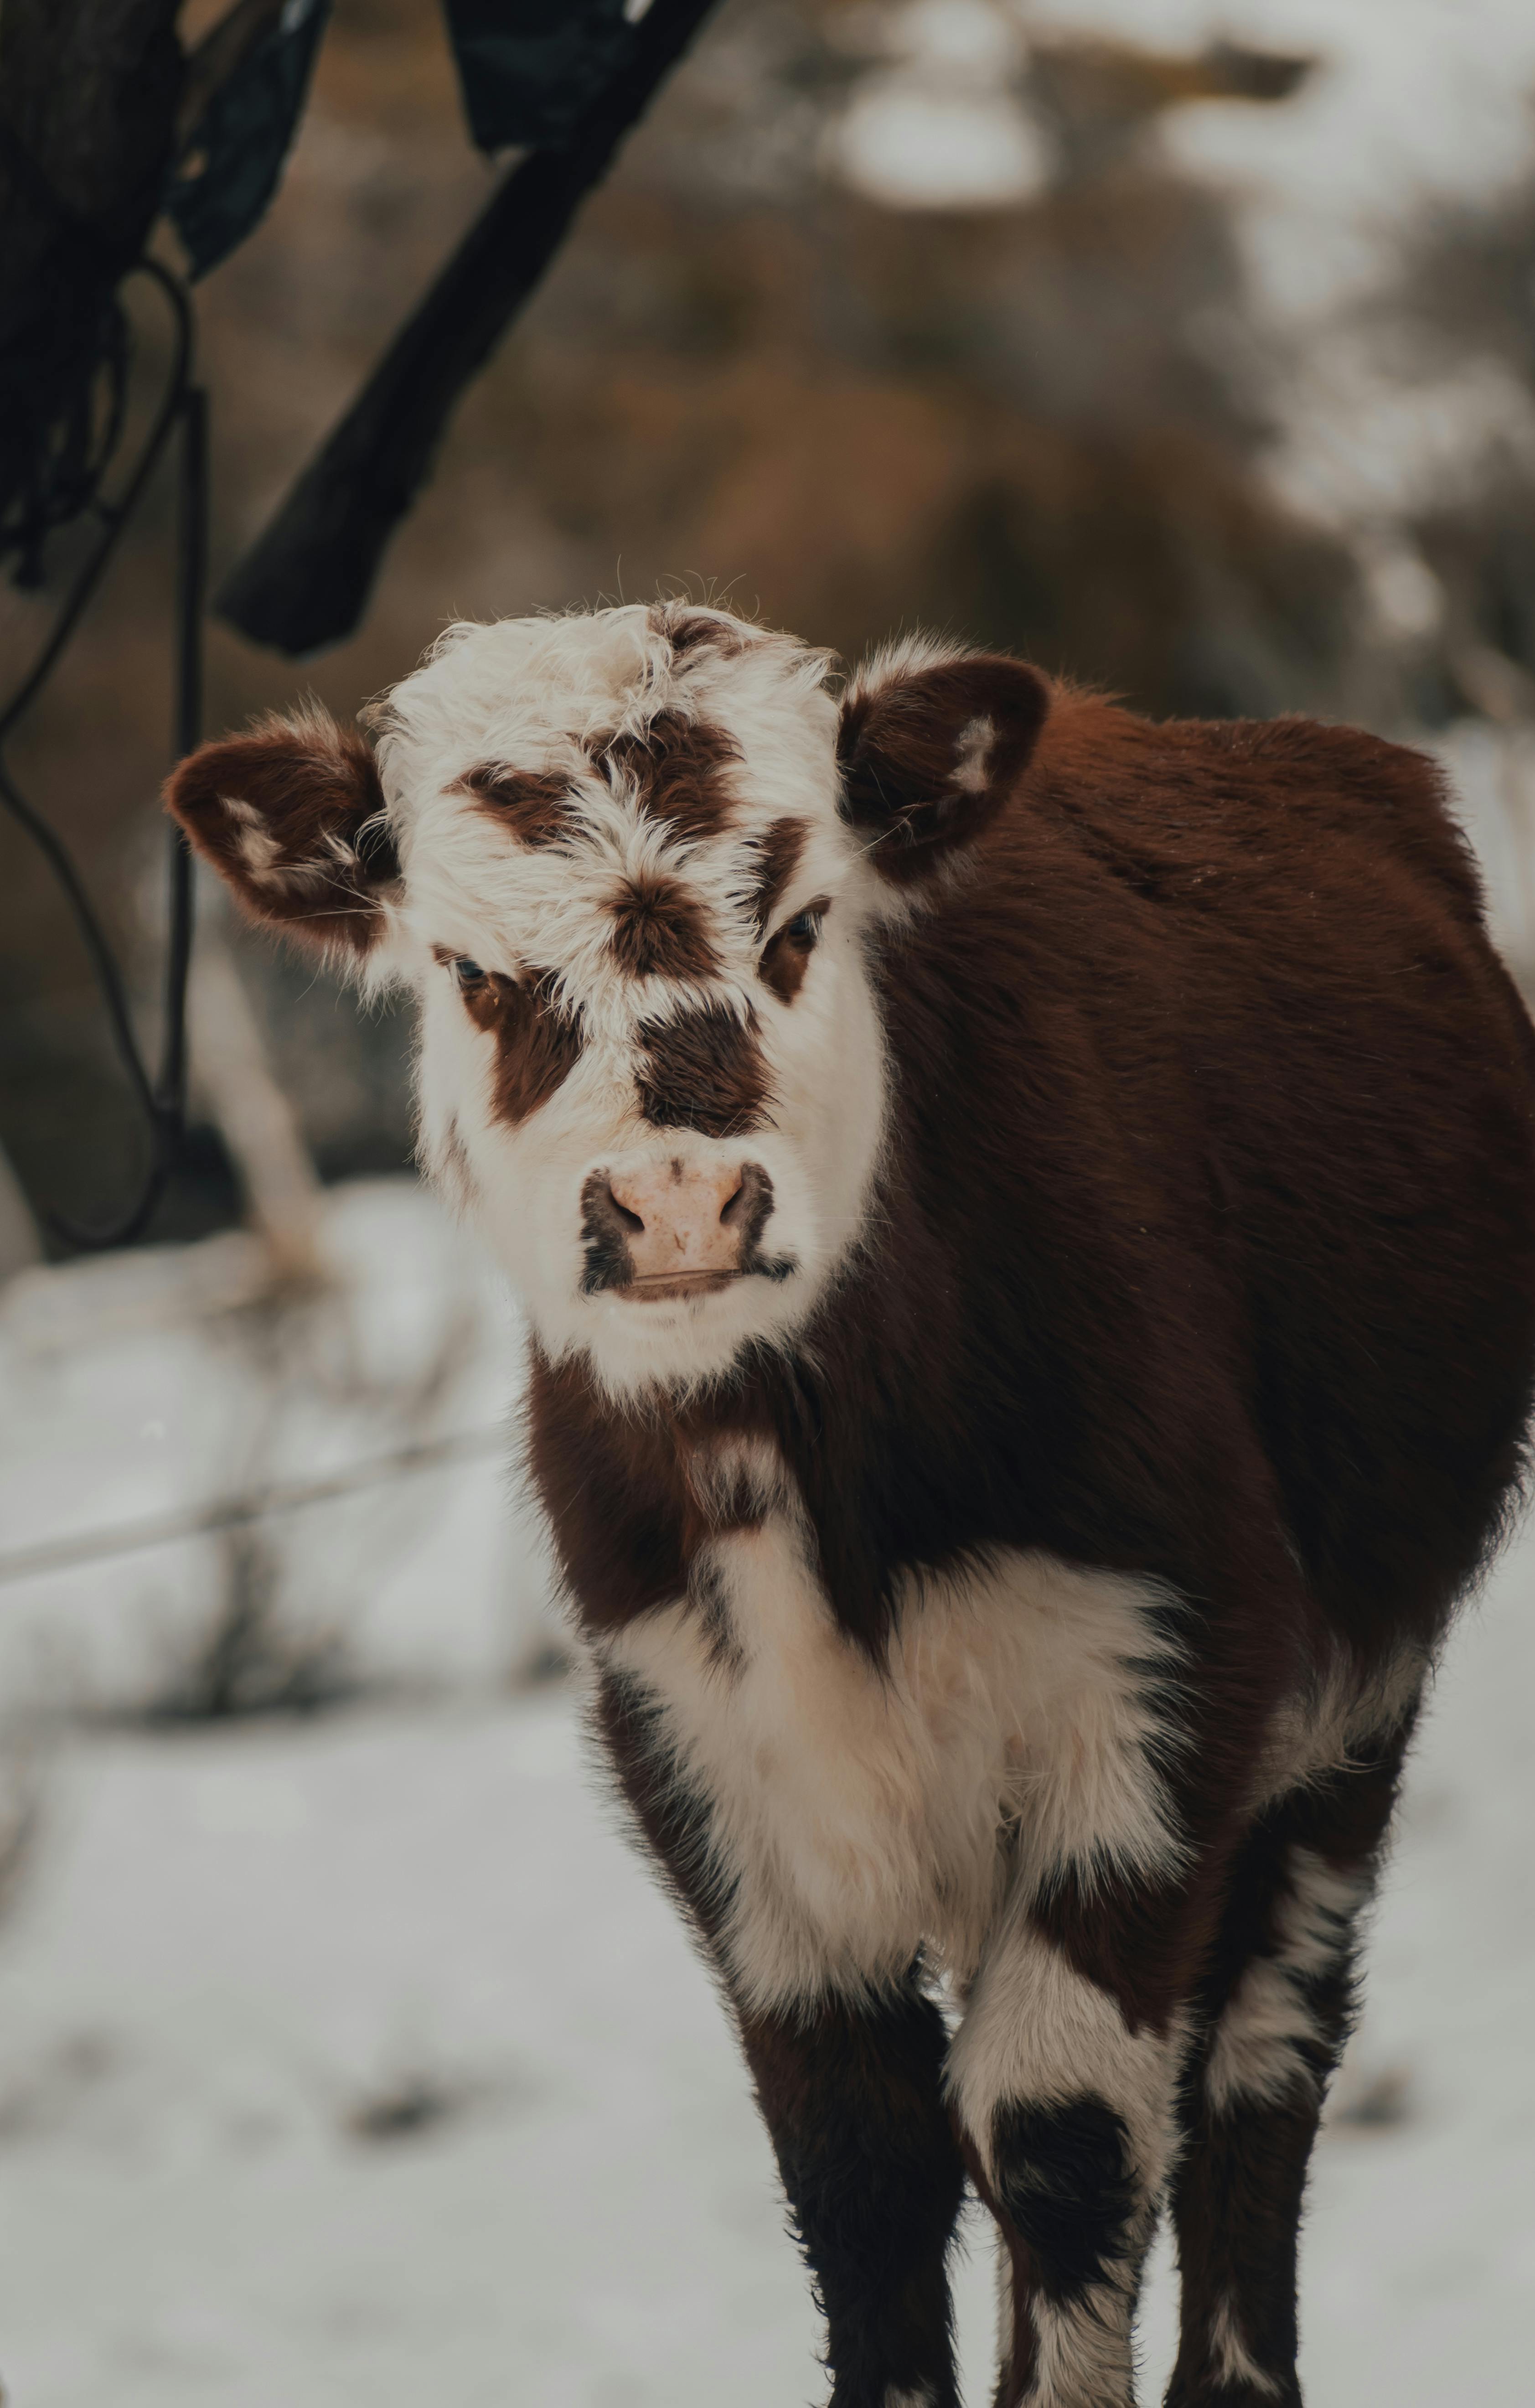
(161, 1096)
(234, 1513)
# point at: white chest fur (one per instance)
(859, 1810)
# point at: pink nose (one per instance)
(676, 1228)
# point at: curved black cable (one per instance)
(162, 1096)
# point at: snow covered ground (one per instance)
(357, 2061)
(135, 1388)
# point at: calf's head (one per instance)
(630, 861)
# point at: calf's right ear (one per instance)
(292, 816)
(931, 744)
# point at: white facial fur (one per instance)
(527, 695)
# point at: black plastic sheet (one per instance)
(305, 581)
(529, 70)
(234, 156)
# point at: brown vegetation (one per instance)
(1035, 426)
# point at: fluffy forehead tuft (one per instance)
(617, 801)
(535, 694)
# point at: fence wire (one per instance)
(256, 1505)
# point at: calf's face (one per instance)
(630, 861)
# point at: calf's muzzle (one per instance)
(671, 1227)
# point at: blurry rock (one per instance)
(45, 2096)
(1373, 2101)
(406, 2107)
(418, 2098)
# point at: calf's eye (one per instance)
(786, 955)
(467, 973)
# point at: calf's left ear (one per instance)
(929, 750)
(291, 815)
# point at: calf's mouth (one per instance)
(651, 1287)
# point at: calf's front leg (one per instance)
(852, 2091)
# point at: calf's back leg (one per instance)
(1276, 2012)
(1066, 2099)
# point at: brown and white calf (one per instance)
(1026, 1220)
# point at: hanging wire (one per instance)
(160, 1095)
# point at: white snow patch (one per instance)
(913, 144)
(152, 1383)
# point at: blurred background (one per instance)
(345, 2053)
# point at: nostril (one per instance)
(752, 1200)
(612, 1205)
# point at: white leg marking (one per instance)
(1039, 2033)
(1258, 2050)
(1230, 2356)
(860, 1812)
(1323, 1728)
(1083, 2352)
